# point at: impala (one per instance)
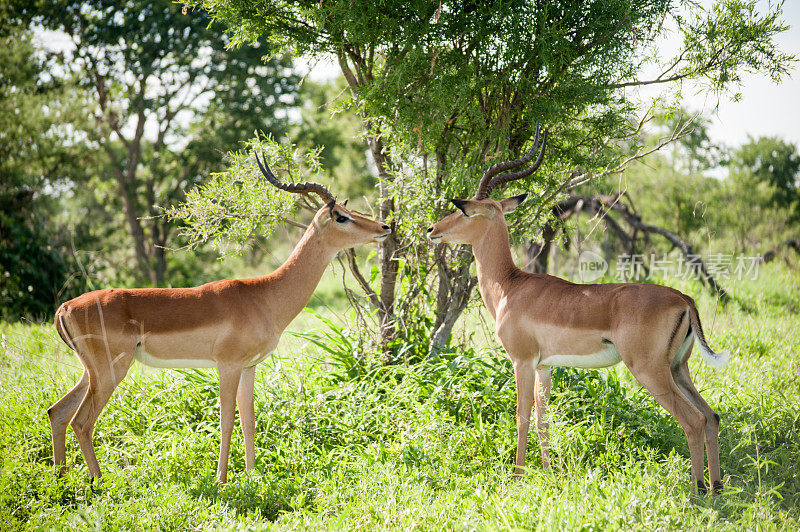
(543, 321)
(232, 325)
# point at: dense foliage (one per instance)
(776, 163)
(164, 98)
(36, 263)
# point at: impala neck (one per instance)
(495, 265)
(291, 286)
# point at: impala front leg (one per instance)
(229, 376)
(542, 397)
(524, 375)
(247, 415)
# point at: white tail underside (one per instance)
(715, 360)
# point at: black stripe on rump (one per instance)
(675, 329)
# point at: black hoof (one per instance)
(717, 490)
(701, 487)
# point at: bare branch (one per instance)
(681, 130)
(353, 265)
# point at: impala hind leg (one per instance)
(542, 397)
(524, 374)
(60, 414)
(669, 395)
(102, 383)
(229, 377)
(247, 415)
(684, 380)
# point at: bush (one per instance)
(35, 276)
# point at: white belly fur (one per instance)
(608, 356)
(256, 359)
(154, 362)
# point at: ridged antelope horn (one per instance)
(490, 178)
(297, 188)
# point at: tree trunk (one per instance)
(125, 174)
(135, 228)
(603, 206)
(453, 293)
(388, 249)
(537, 254)
(159, 267)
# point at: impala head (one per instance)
(475, 216)
(472, 219)
(342, 228)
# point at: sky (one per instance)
(764, 109)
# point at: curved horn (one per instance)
(489, 181)
(297, 188)
(513, 176)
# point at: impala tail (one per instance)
(715, 360)
(62, 328)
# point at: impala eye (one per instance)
(341, 219)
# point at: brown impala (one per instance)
(543, 321)
(231, 325)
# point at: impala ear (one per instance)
(323, 218)
(472, 208)
(510, 204)
(344, 203)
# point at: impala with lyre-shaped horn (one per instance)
(231, 325)
(543, 321)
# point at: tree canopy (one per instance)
(776, 162)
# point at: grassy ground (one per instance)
(343, 444)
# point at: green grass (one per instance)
(345, 444)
